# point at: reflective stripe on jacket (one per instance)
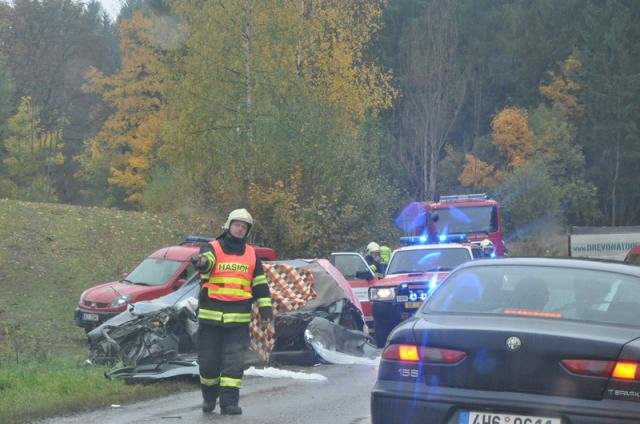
(231, 276)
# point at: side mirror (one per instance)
(179, 283)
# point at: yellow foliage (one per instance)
(478, 173)
(277, 207)
(512, 135)
(562, 90)
(130, 137)
(333, 56)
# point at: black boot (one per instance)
(209, 398)
(208, 407)
(230, 410)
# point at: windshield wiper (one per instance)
(124, 280)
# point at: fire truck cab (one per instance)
(473, 217)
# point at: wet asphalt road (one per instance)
(342, 399)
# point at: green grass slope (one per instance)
(49, 254)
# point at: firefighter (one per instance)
(373, 258)
(486, 246)
(385, 256)
(432, 229)
(232, 278)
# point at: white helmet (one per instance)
(372, 247)
(238, 215)
(486, 244)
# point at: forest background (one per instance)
(325, 118)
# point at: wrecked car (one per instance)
(316, 316)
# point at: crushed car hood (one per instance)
(156, 339)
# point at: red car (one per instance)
(162, 272)
(633, 256)
(413, 273)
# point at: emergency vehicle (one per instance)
(413, 273)
(469, 217)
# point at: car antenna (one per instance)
(129, 304)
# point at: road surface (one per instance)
(342, 399)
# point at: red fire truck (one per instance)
(468, 218)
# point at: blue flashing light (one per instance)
(197, 239)
(413, 296)
(493, 254)
(404, 285)
(442, 238)
(414, 240)
(423, 296)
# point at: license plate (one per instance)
(412, 305)
(90, 317)
(475, 417)
(362, 293)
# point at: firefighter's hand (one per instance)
(200, 262)
(266, 313)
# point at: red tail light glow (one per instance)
(622, 370)
(413, 353)
(589, 367)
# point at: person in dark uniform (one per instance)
(232, 279)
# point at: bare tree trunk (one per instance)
(434, 91)
(248, 78)
(616, 172)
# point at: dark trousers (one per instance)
(221, 355)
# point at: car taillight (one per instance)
(622, 370)
(589, 367)
(413, 353)
(626, 371)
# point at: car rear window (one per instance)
(555, 292)
(153, 272)
(427, 260)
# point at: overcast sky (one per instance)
(112, 7)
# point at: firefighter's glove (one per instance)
(200, 262)
(266, 313)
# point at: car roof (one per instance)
(579, 263)
(438, 246)
(176, 253)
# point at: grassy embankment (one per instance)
(49, 254)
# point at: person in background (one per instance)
(232, 279)
(373, 258)
(385, 256)
(487, 248)
(432, 228)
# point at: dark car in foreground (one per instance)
(518, 341)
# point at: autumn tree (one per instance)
(128, 142)
(275, 89)
(48, 45)
(32, 154)
(433, 84)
